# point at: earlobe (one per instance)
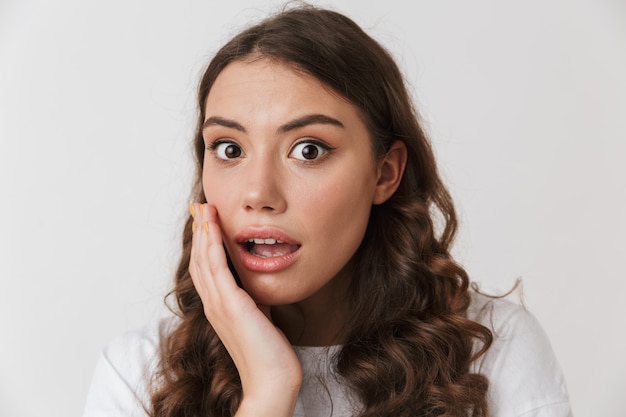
(390, 172)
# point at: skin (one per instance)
(286, 159)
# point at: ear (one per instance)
(390, 172)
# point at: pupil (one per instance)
(309, 152)
(233, 151)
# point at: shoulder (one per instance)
(138, 346)
(525, 378)
(121, 381)
(514, 328)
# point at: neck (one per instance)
(308, 327)
(317, 320)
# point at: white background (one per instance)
(525, 102)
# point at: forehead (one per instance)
(269, 84)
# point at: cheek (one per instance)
(217, 195)
(218, 192)
(341, 208)
(213, 189)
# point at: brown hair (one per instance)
(408, 345)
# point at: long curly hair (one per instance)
(408, 343)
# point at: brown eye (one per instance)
(307, 151)
(227, 150)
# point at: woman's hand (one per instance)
(267, 364)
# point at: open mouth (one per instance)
(269, 248)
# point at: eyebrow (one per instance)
(311, 119)
(220, 121)
(307, 120)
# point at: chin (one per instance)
(270, 291)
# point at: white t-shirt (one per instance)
(524, 377)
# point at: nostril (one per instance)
(263, 208)
(267, 199)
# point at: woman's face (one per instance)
(290, 169)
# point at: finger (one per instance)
(218, 263)
(193, 209)
(266, 311)
(198, 262)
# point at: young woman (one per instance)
(313, 281)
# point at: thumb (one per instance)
(266, 310)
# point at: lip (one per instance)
(267, 265)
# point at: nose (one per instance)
(263, 187)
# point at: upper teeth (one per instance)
(259, 241)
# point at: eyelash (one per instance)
(214, 148)
(325, 149)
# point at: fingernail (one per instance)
(192, 210)
(205, 225)
(194, 226)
